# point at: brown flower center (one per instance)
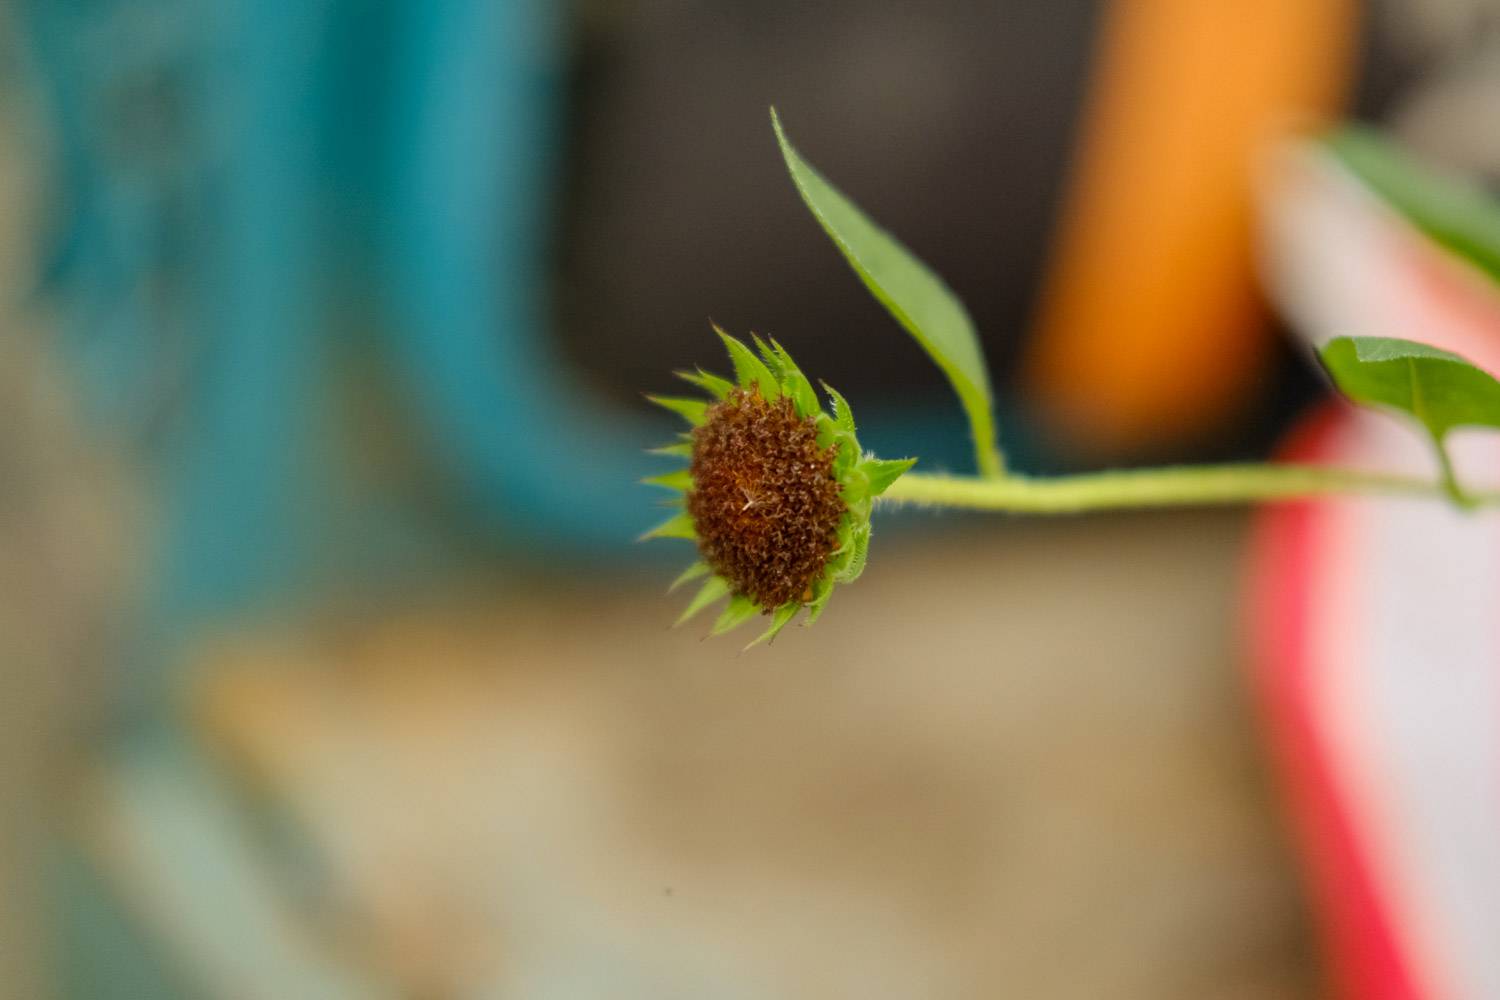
(764, 501)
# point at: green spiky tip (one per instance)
(768, 374)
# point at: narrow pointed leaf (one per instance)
(913, 294)
(688, 575)
(679, 526)
(882, 472)
(681, 480)
(748, 369)
(712, 384)
(784, 614)
(691, 410)
(711, 591)
(739, 610)
(679, 449)
(1461, 217)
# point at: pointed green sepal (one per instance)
(847, 455)
(688, 575)
(750, 370)
(691, 410)
(843, 417)
(856, 563)
(739, 610)
(793, 383)
(827, 431)
(679, 449)
(882, 472)
(822, 590)
(770, 357)
(784, 614)
(709, 383)
(679, 526)
(856, 489)
(713, 589)
(680, 480)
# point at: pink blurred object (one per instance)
(1375, 623)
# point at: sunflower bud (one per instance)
(777, 494)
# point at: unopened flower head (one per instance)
(777, 494)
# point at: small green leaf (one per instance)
(1439, 390)
(713, 589)
(691, 410)
(882, 472)
(739, 610)
(679, 526)
(679, 449)
(912, 293)
(680, 480)
(690, 574)
(749, 369)
(712, 384)
(784, 614)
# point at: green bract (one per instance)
(807, 486)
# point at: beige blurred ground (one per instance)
(1010, 763)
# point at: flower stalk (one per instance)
(1173, 486)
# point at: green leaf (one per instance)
(749, 369)
(1460, 217)
(916, 297)
(679, 526)
(680, 480)
(1439, 390)
(713, 589)
(739, 610)
(679, 449)
(691, 410)
(882, 472)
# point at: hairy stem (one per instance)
(1173, 486)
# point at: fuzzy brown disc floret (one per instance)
(765, 502)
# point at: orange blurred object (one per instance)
(1151, 331)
